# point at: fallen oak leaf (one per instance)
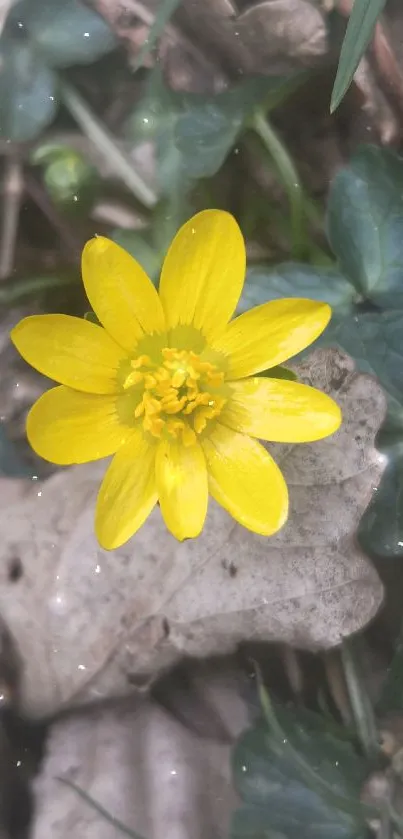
(89, 624)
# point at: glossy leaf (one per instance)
(360, 30)
(293, 279)
(375, 342)
(381, 528)
(365, 221)
(303, 780)
(28, 96)
(64, 32)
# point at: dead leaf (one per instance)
(143, 767)
(282, 35)
(87, 623)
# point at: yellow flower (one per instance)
(168, 385)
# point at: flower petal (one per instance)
(72, 351)
(246, 481)
(270, 334)
(203, 272)
(280, 410)
(121, 294)
(65, 426)
(182, 487)
(128, 492)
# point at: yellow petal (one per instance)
(121, 294)
(182, 487)
(280, 410)
(203, 273)
(270, 334)
(246, 481)
(128, 492)
(72, 351)
(65, 426)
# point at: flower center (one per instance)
(180, 396)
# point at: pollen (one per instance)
(179, 397)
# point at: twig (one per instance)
(107, 145)
(70, 244)
(13, 188)
(100, 809)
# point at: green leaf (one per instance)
(139, 248)
(305, 783)
(365, 221)
(64, 32)
(208, 127)
(16, 290)
(28, 99)
(194, 134)
(391, 698)
(375, 342)
(381, 527)
(359, 32)
(163, 15)
(293, 279)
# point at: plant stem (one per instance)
(289, 177)
(71, 244)
(12, 193)
(360, 702)
(107, 145)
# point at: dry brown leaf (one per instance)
(145, 768)
(87, 623)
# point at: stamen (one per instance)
(177, 398)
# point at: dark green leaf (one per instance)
(305, 784)
(138, 247)
(359, 32)
(375, 342)
(207, 128)
(163, 15)
(293, 279)
(381, 528)
(64, 31)
(28, 99)
(194, 134)
(391, 698)
(365, 221)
